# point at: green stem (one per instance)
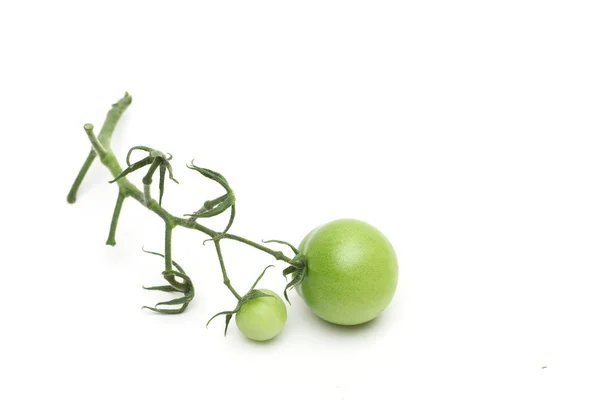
(275, 253)
(147, 194)
(72, 196)
(226, 280)
(171, 278)
(89, 130)
(147, 180)
(127, 189)
(115, 219)
(112, 117)
(168, 256)
(208, 205)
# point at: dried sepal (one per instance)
(214, 207)
(185, 287)
(217, 206)
(210, 174)
(128, 158)
(134, 167)
(158, 160)
(163, 288)
(168, 310)
(170, 169)
(161, 184)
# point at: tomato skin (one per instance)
(262, 318)
(352, 272)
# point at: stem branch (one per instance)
(89, 130)
(115, 219)
(72, 196)
(226, 280)
(101, 146)
(275, 253)
(168, 256)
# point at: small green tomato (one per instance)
(262, 318)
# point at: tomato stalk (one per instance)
(226, 280)
(115, 219)
(72, 196)
(101, 148)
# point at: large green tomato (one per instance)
(352, 272)
(262, 318)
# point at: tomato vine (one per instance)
(174, 274)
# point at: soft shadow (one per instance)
(270, 342)
(369, 326)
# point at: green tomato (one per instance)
(262, 318)
(352, 272)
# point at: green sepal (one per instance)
(144, 148)
(299, 260)
(160, 154)
(228, 315)
(180, 300)
(297, 279)
(165, 288)
(260, 277)
(298, 271)
(289, 270)
(251, 295)
(294, 249)
(161, 184)
(216, 206)
(170, 277)
(158, 159)
(210, 174)
(227, 320)
(168, 310)
(254, 294)
(210, 204)
(217, 209)
(170, 169)
(147, 179)
(231, 218)
(186, 287)
(179, 268)
(137, 165)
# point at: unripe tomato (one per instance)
(262, 318)
(352, 272)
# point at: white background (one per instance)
(466, 131)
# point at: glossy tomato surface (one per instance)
(352, 271)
